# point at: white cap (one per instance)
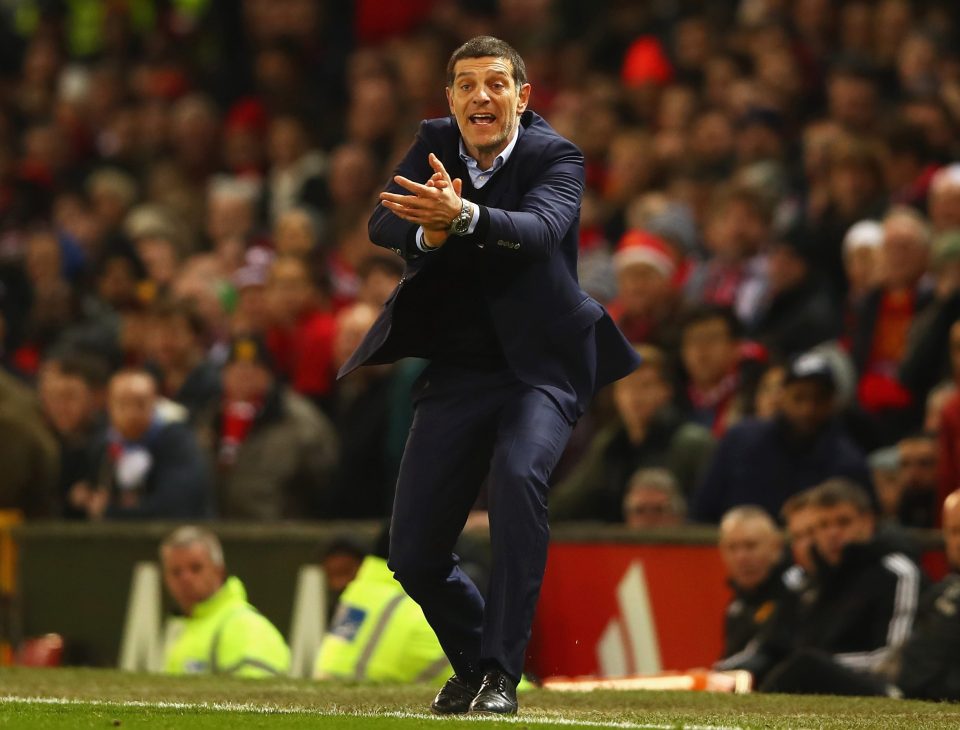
(864, 234)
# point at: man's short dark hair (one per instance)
(483, 46)
(837, 491)
(796, 503)
(91, 369)
(708, 313)
(168, 310)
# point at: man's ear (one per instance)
(524, 98)
(449, 98)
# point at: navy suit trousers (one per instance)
(469, 426)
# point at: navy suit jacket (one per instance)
(524, 250)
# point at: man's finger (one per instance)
(414, 187)
(409, 201)
(457, 186)
(438, 166)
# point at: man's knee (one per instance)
(415, 571)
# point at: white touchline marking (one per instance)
(268, 709)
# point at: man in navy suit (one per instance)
(485, 210)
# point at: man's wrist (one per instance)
(462, 223)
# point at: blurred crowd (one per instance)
(772, 215)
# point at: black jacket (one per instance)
(749, 611)
(929, 666)
(862, 610)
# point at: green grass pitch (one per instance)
(57, 699)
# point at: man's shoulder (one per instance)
(750, 430)
(537, 133)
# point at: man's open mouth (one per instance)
(482, 118)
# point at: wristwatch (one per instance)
(461, 222)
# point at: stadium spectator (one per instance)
(302, 330)
(274, 451)
(799, 313)
(297, 171)
(917, 461)
(751, 548)
(765, 462)
(28, 452)
(379, 633)
(340, 560)
(929, 357)
(879, 343)
(648, 307)
(177, 351)
(736, 229)
(653, 499)
(862, 602)
(717, 375)
(363, 484)
(887, 485)
(149, 465)
(800, 517)
(861, 265)
(222, 633)
(72, 389)
(647, 433)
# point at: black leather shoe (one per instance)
(497, 695)
(454, 697)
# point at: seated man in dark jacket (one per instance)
(751, 548)
(764, 462)
(860, 607)
(927, 666)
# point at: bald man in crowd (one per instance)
(149, 465)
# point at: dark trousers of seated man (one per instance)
(815, 672)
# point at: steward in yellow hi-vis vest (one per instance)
(379, 634)
(222, 633)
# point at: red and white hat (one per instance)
(641, 247)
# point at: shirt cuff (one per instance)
(422, 244)
(474, 218)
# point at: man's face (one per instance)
(801, 525)
(190, 575)
(247, 382)
(68, 402)
(171, 342)
(131, 401)
(807, 405)
(641, 289)
(709, 351)
(837, 527)
(340, 569)
(749, 549)
(640, 395)
(487, 103)
(646, 507)
(905, 254)
(289, 290)
(951, 531)
(918, 463)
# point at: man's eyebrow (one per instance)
(495, 72)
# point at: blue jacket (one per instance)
(524, 255)
(755, 463)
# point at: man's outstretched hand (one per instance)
(433, 204)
